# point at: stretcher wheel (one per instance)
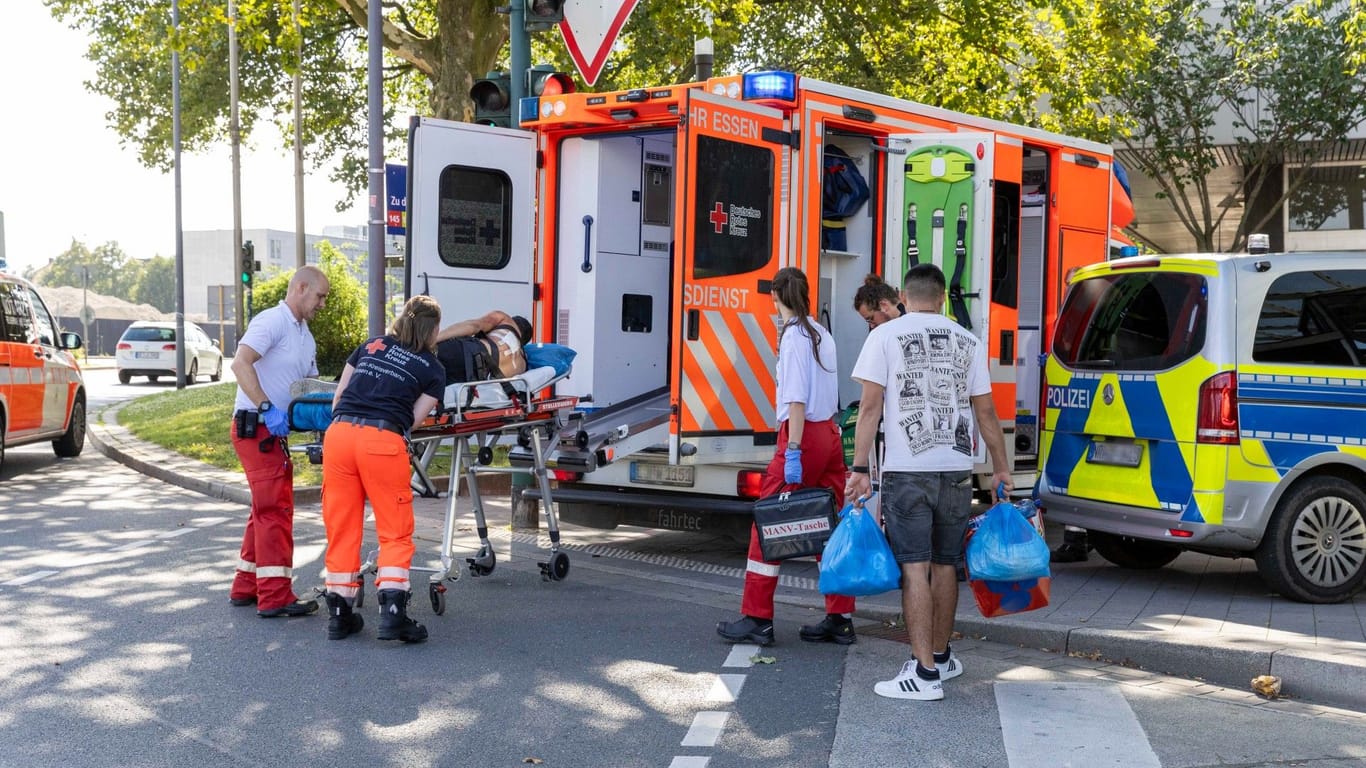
(437, 592)
(483, 563)
(581, 439)
(524, 437)
(486, 455)
(557, 568)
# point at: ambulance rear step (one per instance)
(593, 439)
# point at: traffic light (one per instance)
(248, 263)
(540, 15)
(492, 97)
(543, 80)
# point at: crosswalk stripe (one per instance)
(689, 761)
(740, 654)
(1071, 725)
(29, 578)
(706, 729)
(726, 688)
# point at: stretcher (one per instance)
(473, 416)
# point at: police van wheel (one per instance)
(1129, 552)
(1314, 549)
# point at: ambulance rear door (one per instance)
(939, 212)
(735, 159)
(471, 203)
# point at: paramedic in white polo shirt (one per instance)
(276, 351)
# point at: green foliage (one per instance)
(110, 270)
(1287, 74)
(156, 283)
(340, 325)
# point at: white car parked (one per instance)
(148, 348)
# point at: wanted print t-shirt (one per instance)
(930, 367)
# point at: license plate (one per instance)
(146, 355)
(1115, 454)
(681, 475)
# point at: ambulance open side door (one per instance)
(471, 197)
(939, 212)
(734, 162)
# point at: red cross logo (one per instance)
(375, 346)
(718, 218)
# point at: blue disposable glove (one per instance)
(792, 465)
(276, 422)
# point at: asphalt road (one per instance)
(121, 650)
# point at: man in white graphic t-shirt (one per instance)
(927, 472)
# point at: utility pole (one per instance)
(235, 135)
(375, 102)
(179, 230)
(300, 255)
(519, 50)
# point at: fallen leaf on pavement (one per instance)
(1267, 685)
(757, 659)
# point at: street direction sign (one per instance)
(590, 27)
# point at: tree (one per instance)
(156, 283)
(340, 326)
(1043, 62)
(111, 272)
(1286, 74)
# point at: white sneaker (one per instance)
(951, 668)
(910, 685)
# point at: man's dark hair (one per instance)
(523, 329)
(925, 282)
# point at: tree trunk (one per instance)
(471, 36)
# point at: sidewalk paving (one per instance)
(1200, 617)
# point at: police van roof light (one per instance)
(1258, 243)
(1126, 251)
(769, 85)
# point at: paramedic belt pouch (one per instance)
(795, 523)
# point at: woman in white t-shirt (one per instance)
(809, 455)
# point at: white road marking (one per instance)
(133, 545)
(29, 578)
(689, 761)
(706, 729)
(1071, 725)
(205, 522)
(739, 655)
(176, 532)
(726, 688)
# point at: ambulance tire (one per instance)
(1322, 509)
(70, 444)
(1129, 552)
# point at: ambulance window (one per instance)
(657, 196)
(46, 330)
(475, 218)
(17, 323)
(1140, 321)
(1314, 318)
(733, 208)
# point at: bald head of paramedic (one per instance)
(809, 455)
(389, 385)
(927, 473)
(276, 351)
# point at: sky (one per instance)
(64, 175)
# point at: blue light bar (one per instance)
(1127, 251)
(769, 85)
(529, 109)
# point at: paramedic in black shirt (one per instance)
(390, 383)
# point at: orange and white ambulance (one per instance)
(641, 228)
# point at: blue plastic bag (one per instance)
(1006, 546)
(857, 561)
(556, 356)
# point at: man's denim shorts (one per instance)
(926, 515)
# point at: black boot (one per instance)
(394, 623)
(1073, 548)
(342, 622)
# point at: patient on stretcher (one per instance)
(488, 347)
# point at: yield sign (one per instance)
(590, 27)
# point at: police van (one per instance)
(1215, 403)
(642, 228)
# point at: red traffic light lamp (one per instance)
(543, 80)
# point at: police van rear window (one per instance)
(1132, 321)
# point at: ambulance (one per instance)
(1215, 403)
(641, 228)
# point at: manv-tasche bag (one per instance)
(795, 523)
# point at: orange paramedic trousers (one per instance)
(822, 465)
(361, 463)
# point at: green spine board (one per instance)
(947, 192)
